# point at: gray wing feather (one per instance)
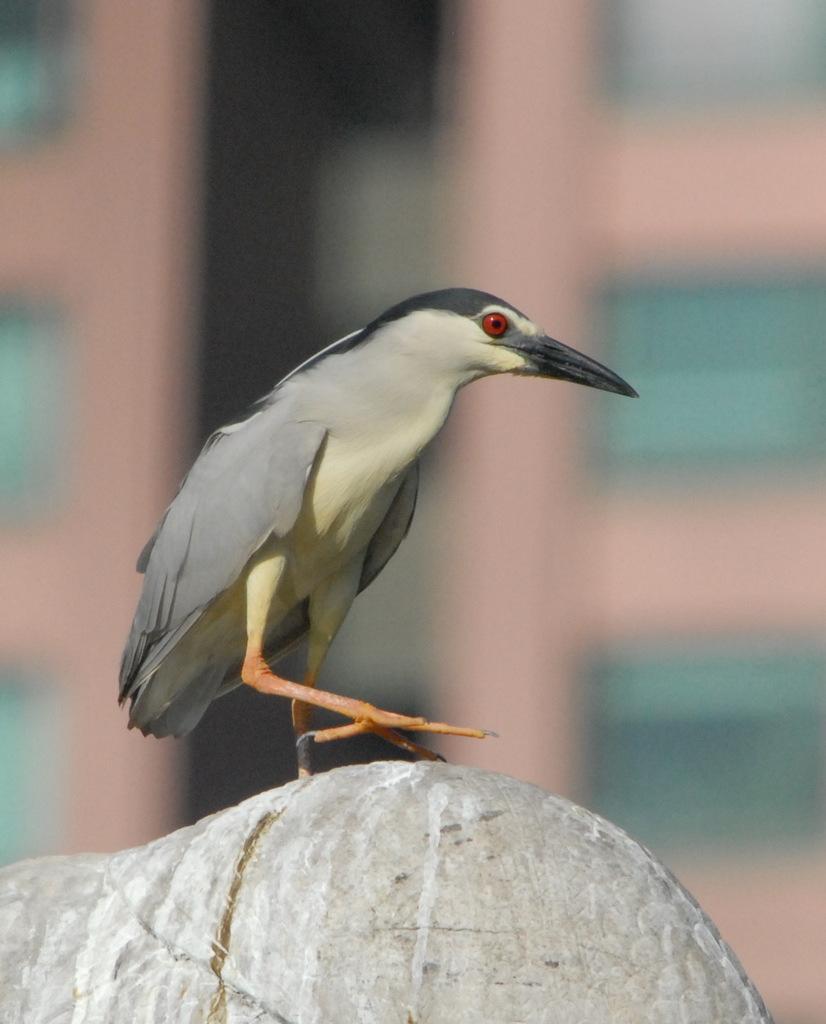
(172, 705)
(247, 483)
(143, 557)
(394, 528)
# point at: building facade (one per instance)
(98, 136)
(635, 594)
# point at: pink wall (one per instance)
(100, 217)
(511, 609)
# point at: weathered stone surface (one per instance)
(388, 893)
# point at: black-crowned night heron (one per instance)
(287, 514)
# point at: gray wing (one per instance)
(393, 530)
(173, 699)
(246, 484)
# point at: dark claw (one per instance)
(490, 732)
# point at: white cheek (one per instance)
(502, 360)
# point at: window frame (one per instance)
(744, 653)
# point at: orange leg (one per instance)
(342, 732)
(328, 604)
(366, 718)
(302, 713)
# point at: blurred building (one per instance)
(633, 594)
(98, 219)
(636, 591)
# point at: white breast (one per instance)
(381, 403)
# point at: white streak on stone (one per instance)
(437, 800)
(108, 934)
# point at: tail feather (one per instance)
(163, 710)
(171, 700)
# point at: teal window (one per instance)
(727, 373)
(668, 52)
(713, 747)
(35, 63)
(30, 769)
(33, 399)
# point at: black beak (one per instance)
(549, 358)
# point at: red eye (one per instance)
(495, 324)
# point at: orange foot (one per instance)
(366, 717)
(358, 729)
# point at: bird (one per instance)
(289, 512)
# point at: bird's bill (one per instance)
(548, 358)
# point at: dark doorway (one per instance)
(286, 80)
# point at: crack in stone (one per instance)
(220, 944)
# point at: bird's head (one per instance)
(490, 336)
